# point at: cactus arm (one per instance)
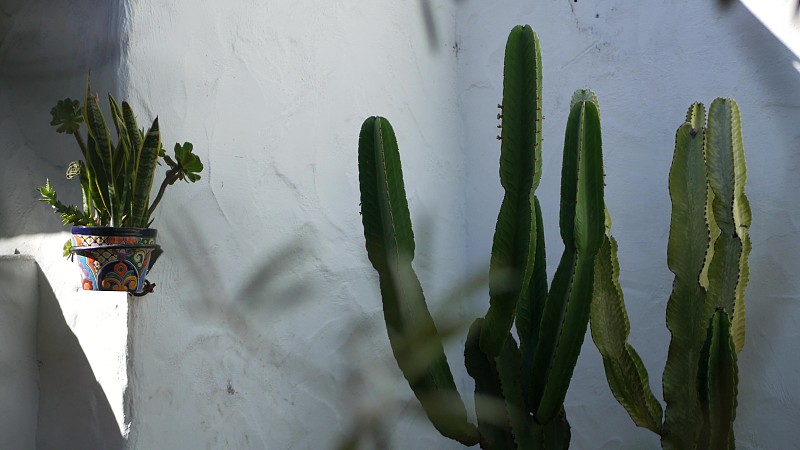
(726, 176)
(520, 169)
(509, 370)
(738, 320)
(625, 372)
(531, 308)
(687, 315)
(494, 424)
(145, 170)
(742, 217)
(722, 380)
(390, 248)
(566, 314)
(554, 435)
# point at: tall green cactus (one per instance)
(707, 252)
(519, 390)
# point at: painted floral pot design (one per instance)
(114, 259)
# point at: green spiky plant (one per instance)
(707, 251)
(519, 389)
(116, 179)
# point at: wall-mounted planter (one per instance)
(115, 259)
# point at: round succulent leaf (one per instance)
(67, 116)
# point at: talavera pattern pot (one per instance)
(114, 259)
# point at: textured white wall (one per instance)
(19, 374)
(272, 94)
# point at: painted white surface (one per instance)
(19, 374)
(83, 349)
(64, 358)
(273, 95)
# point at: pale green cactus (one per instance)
(707, 251)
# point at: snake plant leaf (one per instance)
(625, 372)
(390, 248)
(566, 313)
(722, 378)
(85, 188)
(135, 139)
(99, 182)
(123, 156)
(145, 170)
(99, 134)
(513, 247)
(687, 314)
(494, 424)
(67, 116)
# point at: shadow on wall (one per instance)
(46, 52)
(73, 409)
(51, 38)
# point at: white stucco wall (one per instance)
(19, 374)
(273, 94)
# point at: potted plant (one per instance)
(111, 234)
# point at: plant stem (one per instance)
(172, 177)
(82, 145)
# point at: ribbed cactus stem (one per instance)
(390, 247)
(707, 251)
(566, 312)
(514, 244)
(519, 390)
(727, 174)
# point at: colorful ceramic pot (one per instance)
(114, 259)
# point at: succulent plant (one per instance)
(116, 178)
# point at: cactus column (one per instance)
(707, 251)
(519, 389)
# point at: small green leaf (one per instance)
(193, 164)
(172, 164)
(67, 247)
(67, 116)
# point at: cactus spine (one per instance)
(707, 252)
(519, 389)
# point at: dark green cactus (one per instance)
(519, 390)
(707, 252)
